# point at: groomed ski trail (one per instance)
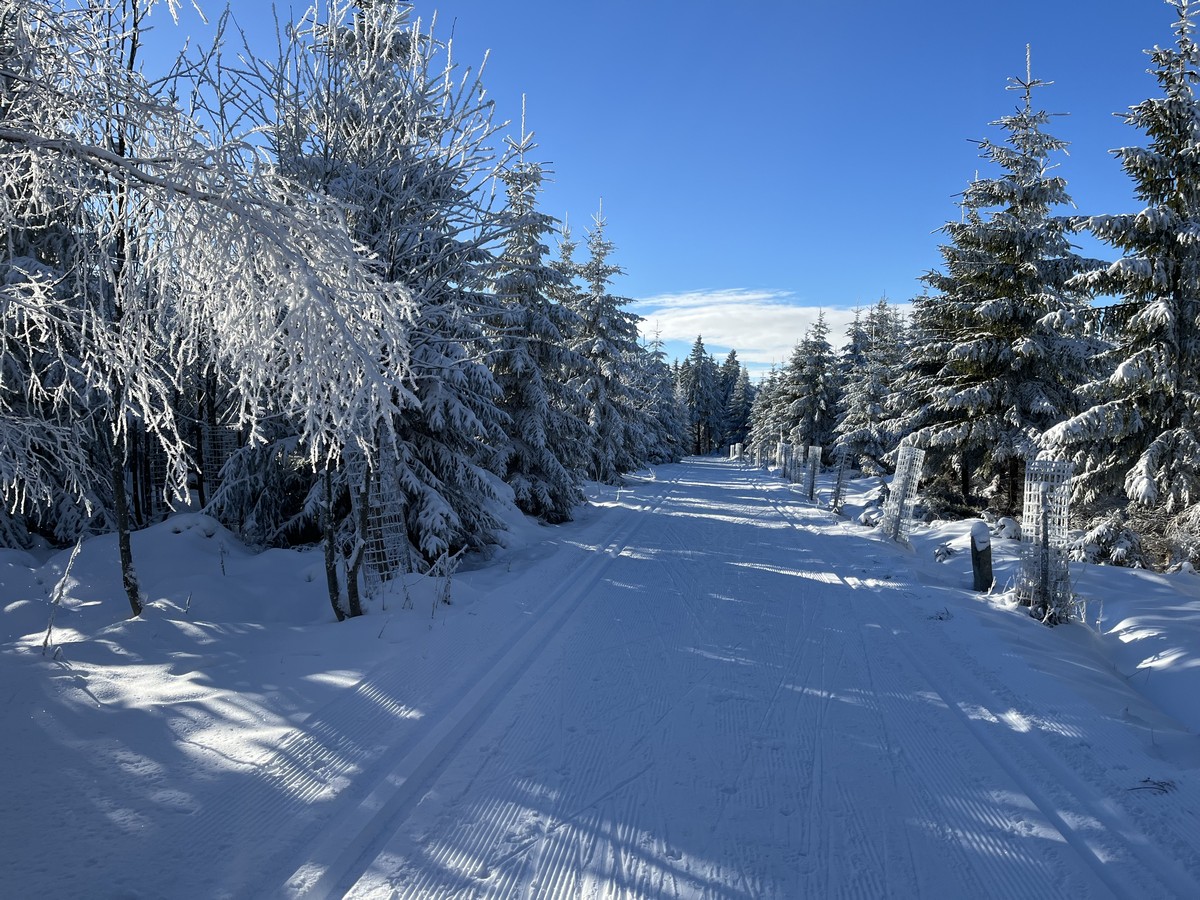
(729, 703)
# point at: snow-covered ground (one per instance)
(705, 687)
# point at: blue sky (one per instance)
(760, 161)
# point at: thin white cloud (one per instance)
(762, 326)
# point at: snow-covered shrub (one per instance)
(266, 495)
(871, 516)
(1008, 528)
(1182, 538)
(1110, 538)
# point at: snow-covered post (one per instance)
(810, 475)
(897, 511)
(981, 556)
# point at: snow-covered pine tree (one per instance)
(665, 418)
(608, 341)
(726, 379)
(567, 293)
(1139, 430)
(871, 363)
(700, 384)
(374, 111)
(768, 414)
(531, 357)
(1006, 315)
(739, 405)
(810, 388)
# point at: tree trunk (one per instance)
(121, 509)
(331, 577)
(354, 563)
(965, 468)
(133, 497)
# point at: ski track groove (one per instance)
(573, 586)
(957, 818)
(1054, 738)
(509, 865)
(933, 716)
(818, 822)
(629, 830)
(309, 764)
(891, 706)
(1157, 874)
(1066, 789)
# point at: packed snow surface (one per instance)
(705, 687)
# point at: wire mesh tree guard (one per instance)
(387, 537)
(157, 504)
(219, 444)
(784, 459)
(1044, 584)
(898, 508)
(810, 473)
(841, 454)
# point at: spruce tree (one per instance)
(663, 417)
(530, 355)
(810, 389)
(1004, 329)
(374, 111)
(607, 339)
(871, 364)
(1138, 434)
(768, 414)
(702, 395)
(738, 407)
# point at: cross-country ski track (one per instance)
(708, 687)
(730, 699)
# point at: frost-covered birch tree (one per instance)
(172, 236)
